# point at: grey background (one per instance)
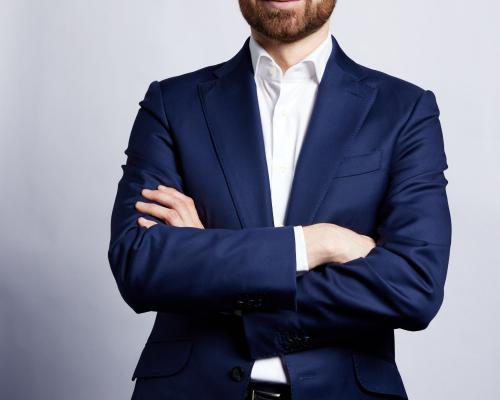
(71, 75)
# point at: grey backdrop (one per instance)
(71, 75)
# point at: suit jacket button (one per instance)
(237, 374)
(238, 313)
(291, 339)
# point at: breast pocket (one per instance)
(163, 358)
(358, 164)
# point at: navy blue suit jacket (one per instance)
(372, 161)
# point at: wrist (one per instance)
(333, 242)
(322, 243)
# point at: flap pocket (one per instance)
(360, 163)
(163, 358)
(377, 374)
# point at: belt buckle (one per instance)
(258, 394)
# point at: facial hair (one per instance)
(287, 25)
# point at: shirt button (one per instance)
(282, 168)
(271, 71)
(283, 113)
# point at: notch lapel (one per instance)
(231, 110)
(232, 114)
(341, 106)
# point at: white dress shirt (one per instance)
(285, 101)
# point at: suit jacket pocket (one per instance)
(360, 163)
(163, 358)
(378, 374)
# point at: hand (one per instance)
(174, 208)
(330, 243)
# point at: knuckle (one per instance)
(165, 213)
(176, 203)
(170, 190)
(174, 219)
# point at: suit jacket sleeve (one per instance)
(400, 283)
(187, 269)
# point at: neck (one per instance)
(288, 54)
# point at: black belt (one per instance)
(263, 390)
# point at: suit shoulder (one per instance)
(188, 79)
(181, 90)
(394, 93)
(390, 86)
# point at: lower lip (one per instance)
(283, 4)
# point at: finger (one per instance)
(167, 215)
(171, 199)
(146, 223)
(172, 190)
(187, 200)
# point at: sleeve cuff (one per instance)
(300, 249)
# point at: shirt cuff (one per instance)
(300, 249)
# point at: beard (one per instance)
(286, 25)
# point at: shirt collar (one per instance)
(310, 67)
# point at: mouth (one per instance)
(282, 4)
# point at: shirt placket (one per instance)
(281, 152)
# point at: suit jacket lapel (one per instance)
(341, 106)
(232, 114)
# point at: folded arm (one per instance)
(400, 282)
(187, 269)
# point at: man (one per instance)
(282, 212)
